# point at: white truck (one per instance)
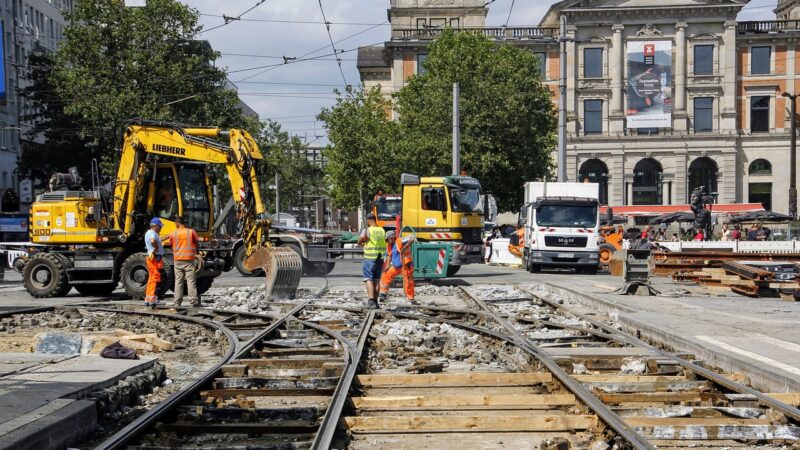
(561, 223)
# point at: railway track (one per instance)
(497, 367)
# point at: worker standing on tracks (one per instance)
(399, 261)
(373, 240)
(155, 262)
(184, 255)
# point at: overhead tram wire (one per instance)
(333, 46)
(510, 10)
(230, 19)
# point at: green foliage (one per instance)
(301, 181)
(508, 122)
(361, 159)
(119, 63)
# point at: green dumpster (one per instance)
(431, 259)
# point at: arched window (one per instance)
(647, 183)
(702, 172)
(760, 167)
(595, 171)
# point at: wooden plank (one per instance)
(611, 378)
(455, 379)
(409, 424)
(495, 401)
(288, 363)
(652, 397)
(233, 392)
(273, 352)
(234, 370)
(144, 346)
(280, 426)
(791, 398)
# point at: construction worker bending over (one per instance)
(155, 262)
(399, 261)
(184, 255)
(373, 240)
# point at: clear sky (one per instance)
(293, 94)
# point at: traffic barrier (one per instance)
(501, 255)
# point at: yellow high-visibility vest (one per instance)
(376, 245)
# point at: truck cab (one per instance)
(560, 230)
(446, 209)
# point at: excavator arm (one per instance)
(238, 155)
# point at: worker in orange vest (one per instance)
(184, 255)
(398, 261)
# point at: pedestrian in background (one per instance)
(736, 233)
(398, 261)
(184, 243)
(155, 262)
(373, 240)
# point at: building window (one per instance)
(647, 182)
(593, 63)
(592, 116)
(702, 172)
(422, 23)
(596, 171)
(703, 114)
(759, 114)
(438, 23)
(760, 193)
(703, 59)
(542, 64)
(454, 23)
(421, 57)
(646, 131)
(760, 60)
(760, 167)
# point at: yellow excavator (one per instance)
(92, 241)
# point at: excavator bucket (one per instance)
(283, 267)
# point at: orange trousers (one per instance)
(154, 268)
(408, 279)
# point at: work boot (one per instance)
(178, 303)
(382, 297)
(412, 301)
(197, 303)
(372, 304)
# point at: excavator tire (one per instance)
(45, 276)
(283, 267)
(134, 277)
(238, 260)
(606, 251)
(95, 290)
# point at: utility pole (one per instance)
(562, 103)
(277, 197)
(793, 157)
(456, 130)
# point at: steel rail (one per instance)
(330, 421)
(784, 408)
(121, 437)
(603, 412)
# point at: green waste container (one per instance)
(431, 259)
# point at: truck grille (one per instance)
(472, 235)
(565, 241)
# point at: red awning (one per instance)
(657, 210)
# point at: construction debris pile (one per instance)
(421, 347)
(749, 278)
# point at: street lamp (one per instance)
(793, 157)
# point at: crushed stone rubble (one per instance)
(497, 292)
(401, 344)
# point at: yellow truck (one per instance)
(446, 210)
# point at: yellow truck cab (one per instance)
(446, 209)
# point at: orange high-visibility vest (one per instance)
(184, 244)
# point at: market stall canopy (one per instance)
(761, 216)
(657, 210)
(678, 216)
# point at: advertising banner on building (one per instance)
(649, 84)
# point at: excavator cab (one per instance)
(182, 189)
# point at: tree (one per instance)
(300, 180)
(508, 120)
(63, 144)
(361, 154)
(119, 63)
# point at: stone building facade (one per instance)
(662, 95)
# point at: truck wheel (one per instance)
(95, 290)
(606, 251)
(535, 268)
(45, 276)
(134, 275)
(238, 259)
(452, 270)
(204, 284)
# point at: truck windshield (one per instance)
(388, 208)
(466, 200)
(568, 216)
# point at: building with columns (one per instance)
(663, 96)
